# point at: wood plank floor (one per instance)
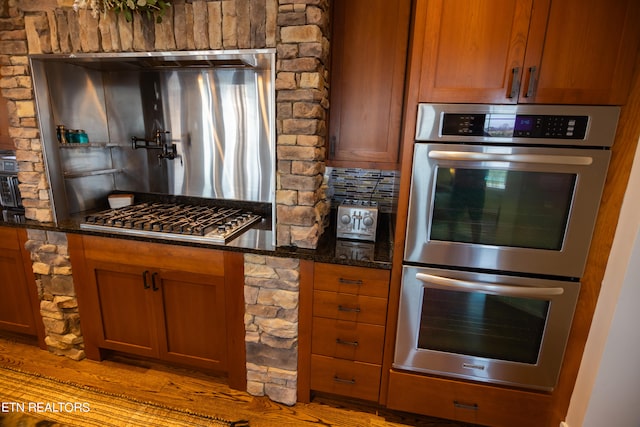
(198, 392)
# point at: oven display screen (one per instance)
(501, 125)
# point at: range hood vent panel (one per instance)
(141, 61)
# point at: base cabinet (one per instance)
(19, 303)
(467, 402)
(348, 327)
(166, 302)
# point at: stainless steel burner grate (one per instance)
(173, 221)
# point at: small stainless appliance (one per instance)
(502, 207)
(357, 219)
(9, 191)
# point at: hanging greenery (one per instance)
(151, 8)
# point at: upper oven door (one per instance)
(518, 209)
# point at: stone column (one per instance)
(302, 102)
(271, 323)
(58, 302)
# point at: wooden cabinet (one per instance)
(467, 402)
(369, 50)
(526, 51)
(19, 302)
(6, 142)
(173, 303)
(347, 335)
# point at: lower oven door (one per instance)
(492, 328)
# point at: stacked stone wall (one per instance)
(58, 302)
(271, 323)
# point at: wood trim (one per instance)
(234, 295)
(32, 288)
(89, 311)
(305, 324)
(622, 155)
(410, 117)
(154, 255)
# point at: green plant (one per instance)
(126, 7)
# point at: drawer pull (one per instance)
(352, 343)
(349, 309)
(350, 281)
(468, 406)
(343, 380)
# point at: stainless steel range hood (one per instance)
(137, 61)
(215, 111)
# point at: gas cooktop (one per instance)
(205, 224)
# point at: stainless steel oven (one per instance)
(483, 198)
(485, 327)
(502, 207)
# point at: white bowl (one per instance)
(120, 200)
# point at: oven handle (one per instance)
(505, 290)
(514, 158)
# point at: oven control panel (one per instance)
(503, 125)
(357, 219)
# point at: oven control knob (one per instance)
(367, 221)
(345, 219)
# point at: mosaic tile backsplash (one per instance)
(364, 184)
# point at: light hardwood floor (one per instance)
(198, 392)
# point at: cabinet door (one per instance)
(6, 142)
(16, 312)
(586, 55)
(192, 319)
(472, 51)
(369, 48)
(127, 314)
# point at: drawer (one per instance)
(351, 280)
(354, 308)
(468, 402)
(345, 378)
(347, 340)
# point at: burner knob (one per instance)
(367, 221)
(345, 219)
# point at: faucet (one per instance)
(168, 150)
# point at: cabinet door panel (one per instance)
(16, 314)
(194, 319)
(126, 309)
(586, 55)
(471, 49)
(369, 49)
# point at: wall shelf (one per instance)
(69, 175)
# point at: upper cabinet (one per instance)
(526, 51)
(368, 62)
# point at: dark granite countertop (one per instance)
(259, 240)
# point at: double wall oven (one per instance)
(502, 208)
